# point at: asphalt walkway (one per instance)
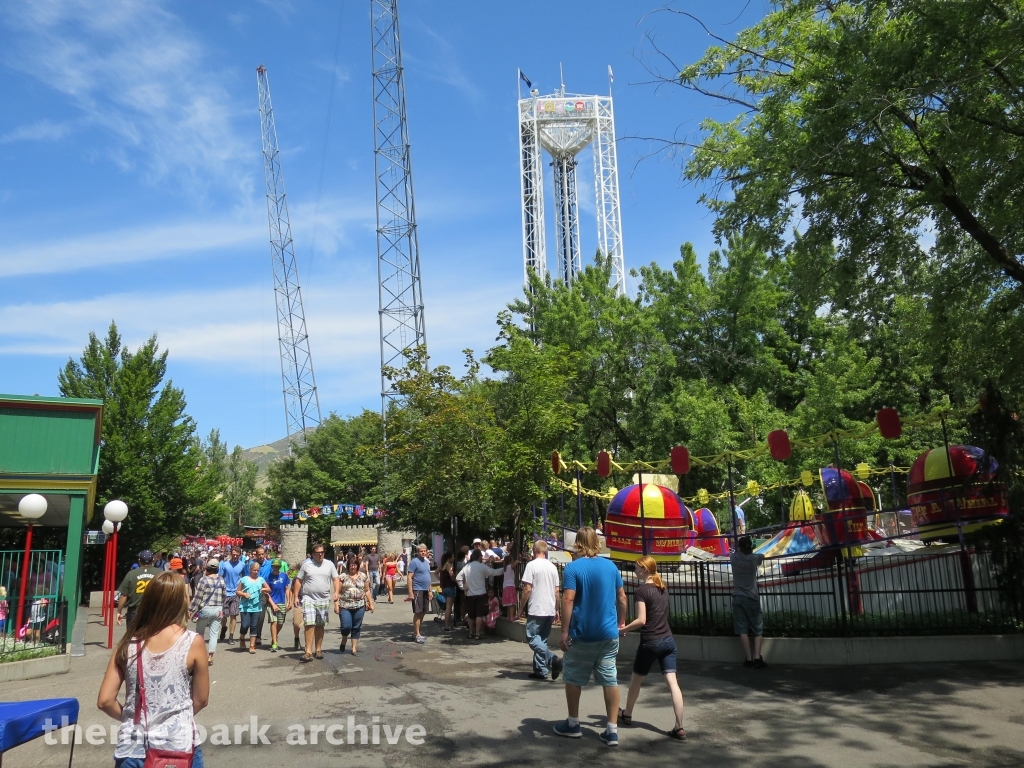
(475, 705)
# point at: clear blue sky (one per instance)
(131, 179)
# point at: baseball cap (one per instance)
(212, 563)
(146, 555)
(476, 541)
(176, 564)
(275, 563)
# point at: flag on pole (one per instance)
(611, 75)
(525, 79)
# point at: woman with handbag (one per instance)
(354, 600)
(164, 669)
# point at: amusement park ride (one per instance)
(951, 491)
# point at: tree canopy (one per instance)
(861, 123)
(150, 457)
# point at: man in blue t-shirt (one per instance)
(593, 613)
(418, 579)
(232, 570)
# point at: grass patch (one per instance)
(11, 650)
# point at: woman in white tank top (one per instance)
(176, 677)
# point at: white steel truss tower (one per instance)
(563, 124)
(301, 404)
(402, 328)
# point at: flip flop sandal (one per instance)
(625, 719)
(252, 650)
(318, 656)
(678, 734)
(305, 659)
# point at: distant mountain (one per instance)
(265, 455)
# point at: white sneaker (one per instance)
(421, 639)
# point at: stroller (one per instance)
(437, 603)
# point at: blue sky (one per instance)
(131, 179)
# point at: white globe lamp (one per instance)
(115, 511)
(32, 507)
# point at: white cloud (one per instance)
(158, 241)
(133, 69)
(41, 130)
(442, 64)
(237, 326)
(128, 246)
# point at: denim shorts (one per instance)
(598, 659)
(747, 618)
(662, 650)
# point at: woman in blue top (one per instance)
(249, 607)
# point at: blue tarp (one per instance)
(22, 721)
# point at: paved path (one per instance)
(478, 707)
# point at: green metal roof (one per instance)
(49, 435)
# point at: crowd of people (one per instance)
(235, 590)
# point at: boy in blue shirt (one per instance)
(280, 600)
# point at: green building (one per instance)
(51, 446)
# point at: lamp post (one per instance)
(108, 570)
(115, 512)
(31, 507)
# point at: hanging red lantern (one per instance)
(679, 458)
(779, 445)
(604, 464)
(556, 462)
(889, 425)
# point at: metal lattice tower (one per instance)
(402, 327)
(301, 404)
(564, 124)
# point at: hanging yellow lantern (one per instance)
(753, 488)
(863, 471)
(806, 478)
(801, 507)
(702, 497)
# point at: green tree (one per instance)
(241, 493)
(149, 457)
(339, 463)
(863, 121)
(440, 442)
(532, 415)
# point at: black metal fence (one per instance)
(44, 630)
(941, 590)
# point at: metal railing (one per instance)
(940, 590)
(44, 614)
(44, 631)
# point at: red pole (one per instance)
(24, 580)
(106, 579)
(113, 577)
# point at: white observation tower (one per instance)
(563, 124)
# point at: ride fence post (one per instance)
(732, 508)
(966, 571)
(579, 500)
(643, 520)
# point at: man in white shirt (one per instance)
(539, 602)
(473, 578)
(318, 581)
